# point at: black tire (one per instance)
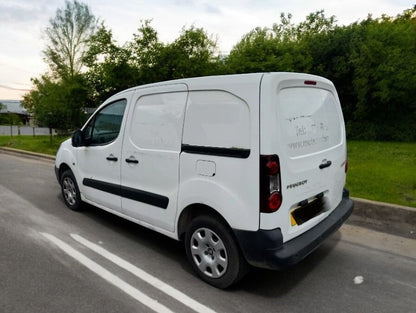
(213, 253)
(70, 191)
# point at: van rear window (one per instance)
(309, 120)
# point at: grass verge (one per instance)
(380, 171)
(40, 144)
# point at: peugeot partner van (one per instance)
(244, 169)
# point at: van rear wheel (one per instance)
(213, 253)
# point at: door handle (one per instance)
(132, 160)
(326, 164)
(112, 158)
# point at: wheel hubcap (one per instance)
(70, 193)
(209, 253)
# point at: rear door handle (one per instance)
(326, 164)
(132, 160)
(112, 158)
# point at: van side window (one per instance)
(157, 121)
(105, 125)
(218, 119)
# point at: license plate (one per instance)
(306, 212)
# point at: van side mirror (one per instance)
(78, 138)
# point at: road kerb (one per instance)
(29, 154)
(389, 218)
(382, 211)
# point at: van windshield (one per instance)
(309, 120)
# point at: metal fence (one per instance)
(9, 130)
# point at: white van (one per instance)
(245, 169)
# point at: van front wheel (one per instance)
(70, 191)
(213, 252)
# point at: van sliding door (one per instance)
(150, 156)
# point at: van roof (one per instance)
(213, 81)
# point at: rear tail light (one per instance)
(270, 190)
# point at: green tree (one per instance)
(270, 49)
(57, 104)
(57, 99)
(315, 23)
(10, 119)
(110, 68)
(329, 48)
(67, 37)
(256, 52)
(146, 51)
(193, 53)
(384, 60)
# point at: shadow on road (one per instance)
(275, 284)
(262, 282)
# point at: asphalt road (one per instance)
(56, 260)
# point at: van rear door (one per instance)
(304, 127)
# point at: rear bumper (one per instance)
(265, 248)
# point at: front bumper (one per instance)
(57, 174)
(265, 248)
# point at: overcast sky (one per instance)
(22, 23)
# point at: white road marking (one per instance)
(155, 282)
(403, 283)
(108, 276)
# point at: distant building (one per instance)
(15, 107)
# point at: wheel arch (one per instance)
(194, 210)
(62, 168)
